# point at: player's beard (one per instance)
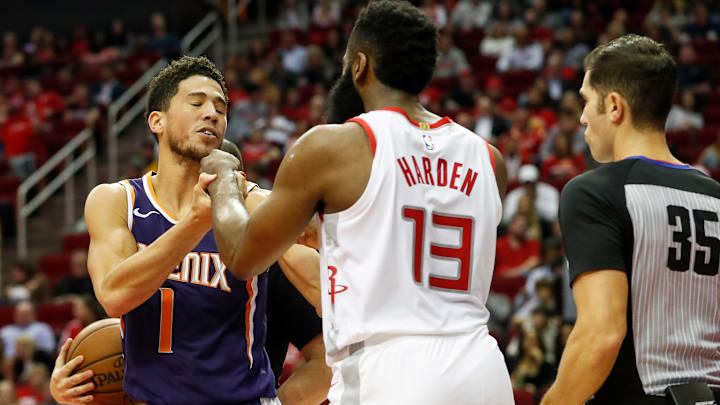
(345, 101)
(187, 151)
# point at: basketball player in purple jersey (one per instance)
(193, 333)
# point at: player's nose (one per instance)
(210, 113)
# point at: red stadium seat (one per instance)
(54, 267)
(7, 315)
(507, 286)
(523, 397)
(55, 315)
(76, 241)
(707, 135)
(712, 115)
(679, 138)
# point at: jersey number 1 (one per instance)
(167, 306)
(462, 254)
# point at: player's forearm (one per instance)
(135, 279)
(308, 385)
(586, 362)
(301, 266)
(229, 222)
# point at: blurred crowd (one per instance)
(507, 69)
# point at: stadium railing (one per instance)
(121, 113)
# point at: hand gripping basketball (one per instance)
(70, 389)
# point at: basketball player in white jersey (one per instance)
(409, 203)
(642, 239)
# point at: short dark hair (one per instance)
(164, 85)
(642, 71)
(401, 39)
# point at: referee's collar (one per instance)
(684, 166)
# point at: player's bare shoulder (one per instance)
(106, 201)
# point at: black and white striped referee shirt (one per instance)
(658, 222)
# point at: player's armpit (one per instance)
(601, 297)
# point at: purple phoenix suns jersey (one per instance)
(200, 338)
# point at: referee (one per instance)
(643, 242)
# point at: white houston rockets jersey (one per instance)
(415, 254)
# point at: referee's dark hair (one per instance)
(639, 69)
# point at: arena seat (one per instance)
(55, 315)
(54, 267)
(523, 397)
(76, 241)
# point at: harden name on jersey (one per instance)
(195, 269)
(437, 172)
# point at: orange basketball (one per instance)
(101, 346)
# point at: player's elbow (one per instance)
(113, 307)
(607, 337)
(241, 270)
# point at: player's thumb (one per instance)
(205, 179)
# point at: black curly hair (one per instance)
(401, 39)
(164, 85)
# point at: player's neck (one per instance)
(384, 97)
(174, 183)
(650, 144)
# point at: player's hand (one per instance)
(242, 183)
(309, 237)
(218, 161)
(67, 389)
(201, 208)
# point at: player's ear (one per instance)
(616, 106)
(156, 122)
(360, 66)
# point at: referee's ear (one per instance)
(616, 108)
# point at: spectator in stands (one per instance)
(568, 125)
(684, 116)
(7, 393)
(471, 14)
(504, 12)
(34, 387)
(690, 74)
(326, 13)
(276, 128)
(294, 15)
(79, 106)
(245, 113)
(47, 103)
(107, 89)
(451, 61)
(562, 164)
(86, 310)
(488, 124)
(294, 56)
(80, 42)
(516, 253)
(117, 37)
(435, 11)
(532, 372)
(702, 26)
(498, 40)
(544, 196)
(573, 51)
(17, 130)
(462, 96)
(317, 70)
(525, 54)
(78, 281)
(26, 324)
(710, 157)
(162, 41)
(527, 131)
(27, 284)
(11, 55)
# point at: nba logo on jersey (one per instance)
(429, 145)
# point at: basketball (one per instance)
(101, 346)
